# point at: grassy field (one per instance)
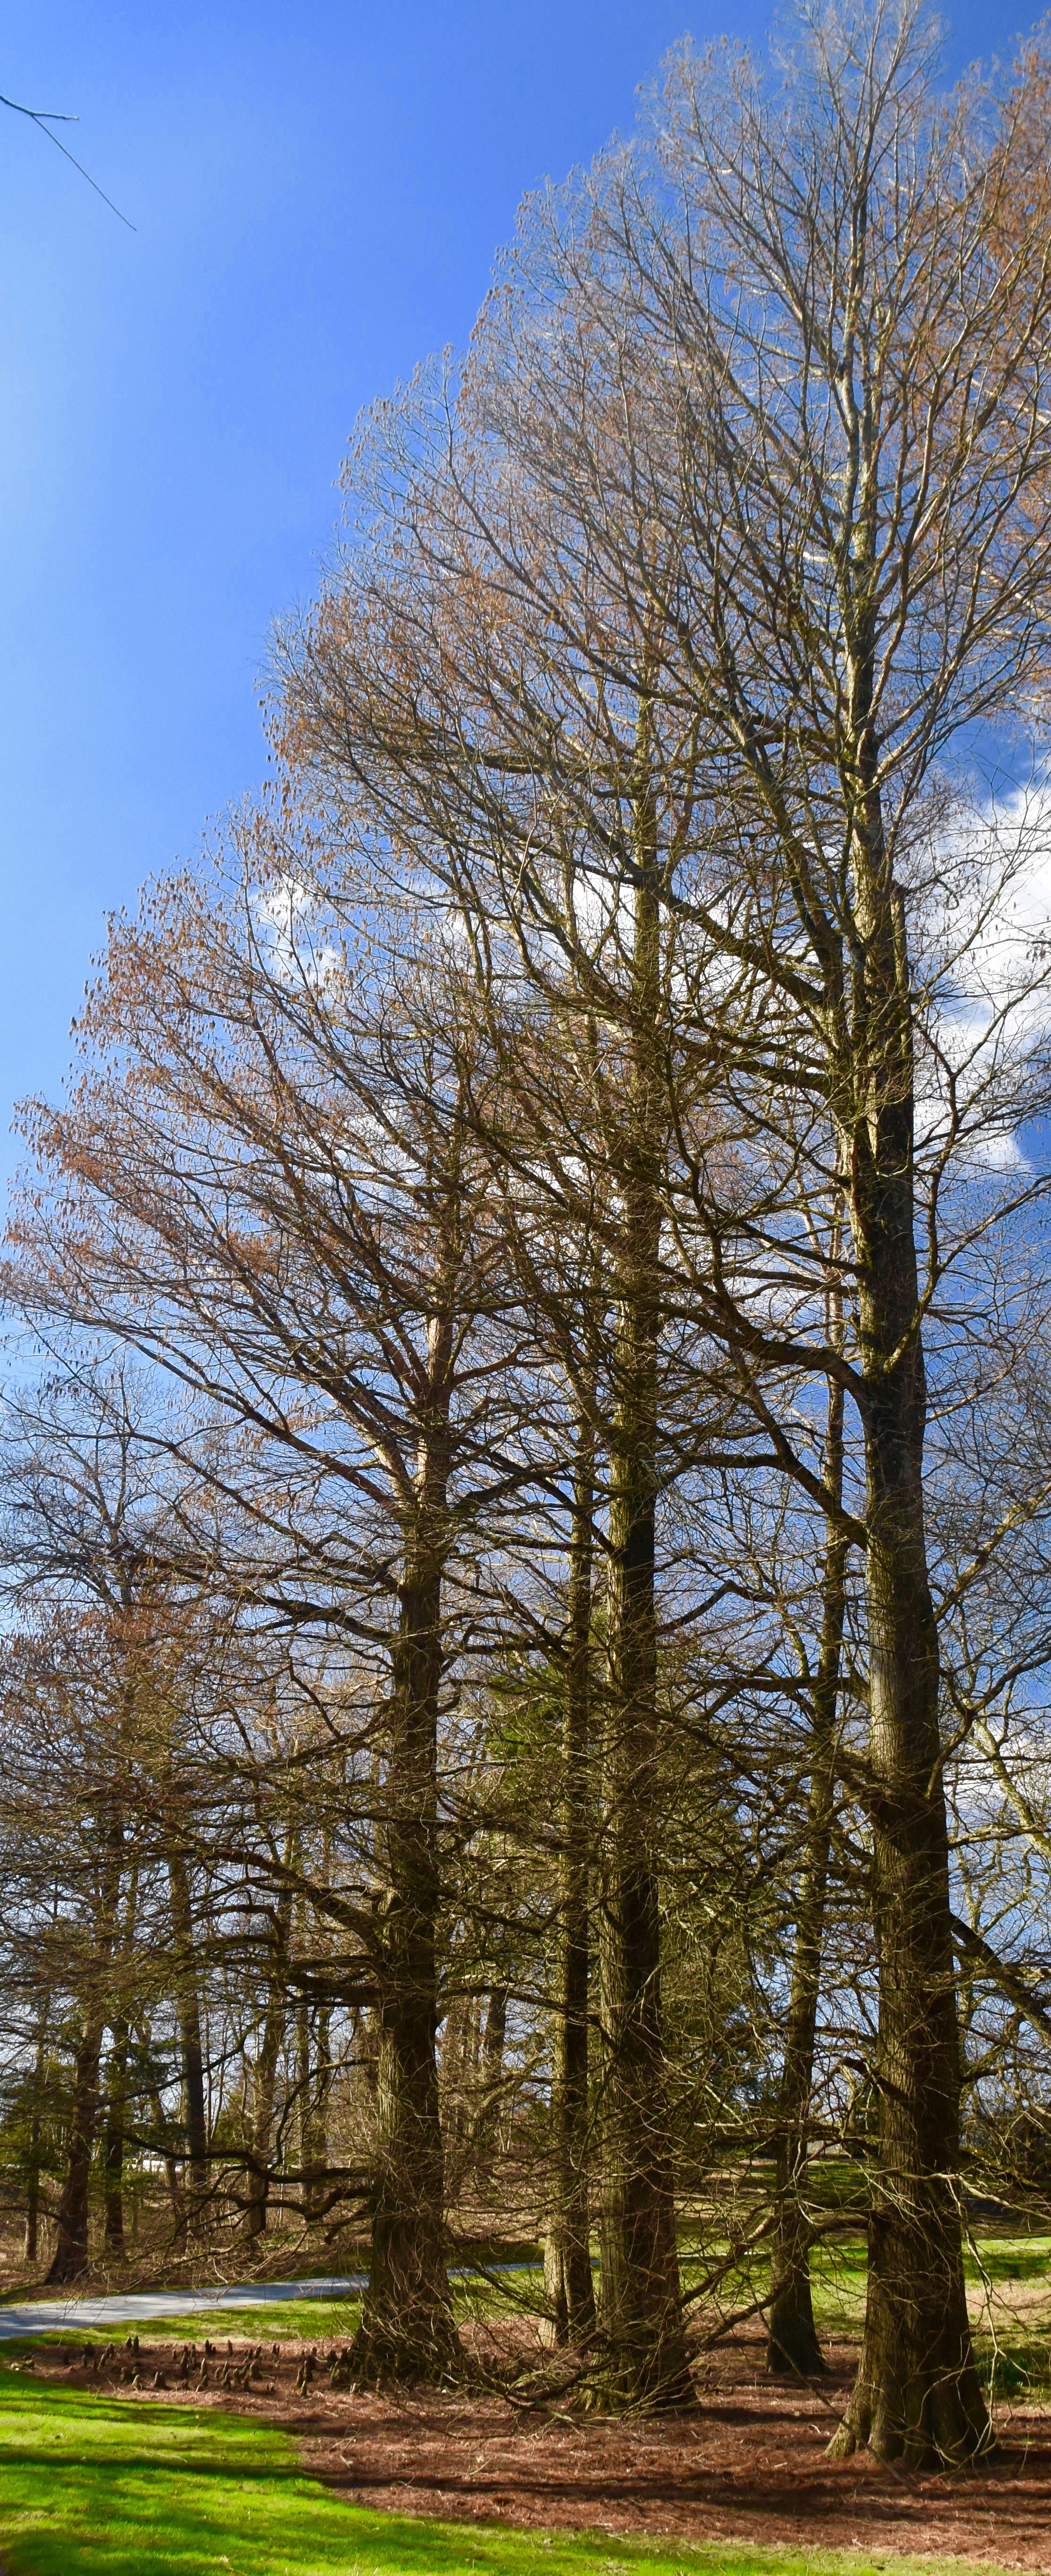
(1009, 2286)
(838, 2271)
(282, 2320)
(1020, 2351)
(278, 2321)
(97, 2486)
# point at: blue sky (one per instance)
(318, 192)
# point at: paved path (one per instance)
(128, 2308)
(51, 2316)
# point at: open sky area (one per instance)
(317, 194)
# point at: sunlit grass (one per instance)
(100, 2486)
(838, 2271)
(1013, 2360)
(1009, 2258)
(274, 2320)
(278, 2321)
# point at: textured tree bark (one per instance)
(641, 2310)
(32, 2235)
(793, 2341)
(917, 2395)
(188, 2006)
(70, 2257)
(113, 2138)
(407, 2329)
(313, 2081)
(117, 2083)
(568, 2288)
(265, 2077)
(491, 2068)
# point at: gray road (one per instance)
(62, 2316)
(77, 2316)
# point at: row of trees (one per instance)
(529, 1545)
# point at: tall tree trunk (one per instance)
(641, 2311)
(32, 2237)
(304, 2088)
(793, 2343)
(461, 2045)
(917, 2395)
(568, 2289)
(117, 2081)
(113, 2136)
(188, 2008)
(486, 2141)
(407, 2328)
(171, 2165)
(313, 2075)
(70, 2257)
(265, 2079)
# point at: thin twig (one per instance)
(45, 118)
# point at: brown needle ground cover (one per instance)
(750, 2465)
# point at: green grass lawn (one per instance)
(1009, 2258)
(1017, 2361)
(280, 2320)
(285, 2321)
(838, 2271)
(839, 2268)
(97, 2486)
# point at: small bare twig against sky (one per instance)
(45, 118)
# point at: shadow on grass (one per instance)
(97, 2487)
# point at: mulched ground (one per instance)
(749, 2466)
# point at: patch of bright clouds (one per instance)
(989, 970)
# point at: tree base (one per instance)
(793, 2350)
(70, 2263)
(632, 2379)
(408, 2352)
(930, 2422)
(801, 2358)
(917, 2396)
(570, 2297)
